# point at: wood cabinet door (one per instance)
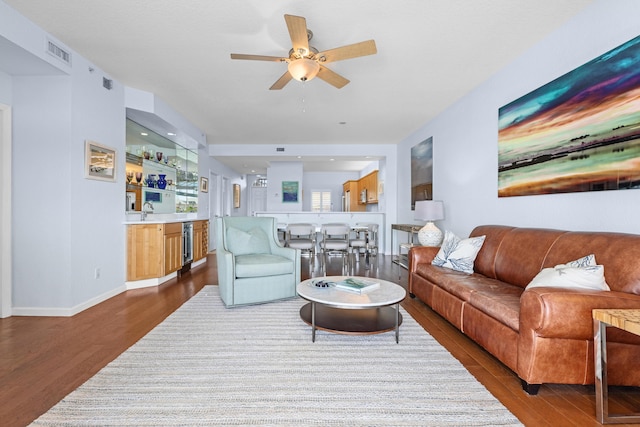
(372, 187)
(197, 244)
(172, 252)
(144, 251)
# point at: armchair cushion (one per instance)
(254, 241)
(259, 265)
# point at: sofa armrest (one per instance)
(421, 254)
(567, 313)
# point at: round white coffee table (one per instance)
(344, 312)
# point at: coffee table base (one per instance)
(352, 321)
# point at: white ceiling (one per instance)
(430, 53)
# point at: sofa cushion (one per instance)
(501, 301)
(458, 254)
(462, 285)
(254, 241)
(259, 265)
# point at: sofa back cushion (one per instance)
(617, 252)
(486, 258)
(514, 255)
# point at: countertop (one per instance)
(134, 219)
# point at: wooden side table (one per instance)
(627, 320)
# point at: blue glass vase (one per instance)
(162, 183)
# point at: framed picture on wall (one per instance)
(422, 171)
(204, 184)
(289, 191)
(100, 162)
(236, 195)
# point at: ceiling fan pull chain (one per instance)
(304, 107)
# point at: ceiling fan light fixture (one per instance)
(304, 69)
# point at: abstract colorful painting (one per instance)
(580, 132)
(422, 171)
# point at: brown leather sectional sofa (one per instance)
(543, 334)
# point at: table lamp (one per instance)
(429, 210)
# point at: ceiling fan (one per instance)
(305, 62)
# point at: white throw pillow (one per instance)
(582, 273)
(458, 254)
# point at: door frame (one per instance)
(5, 212)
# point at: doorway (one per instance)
(5, 212)
(214, 208)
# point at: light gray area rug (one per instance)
(208, 365)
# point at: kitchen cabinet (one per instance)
(153, 250)
(352, 197)
(370, 184)
(200, 239)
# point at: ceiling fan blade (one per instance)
(346, 52)
(332, 77)
(297, 26)
(281, 82)
(258, 57)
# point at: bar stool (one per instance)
(335, 239)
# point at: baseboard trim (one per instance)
(66, 312)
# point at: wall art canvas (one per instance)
(580, 132)
(289, 191)
(422, 171)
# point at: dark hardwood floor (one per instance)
(42, 359)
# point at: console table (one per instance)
(627, 320)
(412, 229)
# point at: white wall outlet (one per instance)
(97, 273)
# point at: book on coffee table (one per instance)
(356, 285)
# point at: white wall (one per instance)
(66, 227)
(277, 173)
(465, 138)
(326, 181)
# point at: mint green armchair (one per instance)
(253, 267)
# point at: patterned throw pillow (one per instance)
(582, 273)
(458, 254)
(589, 260)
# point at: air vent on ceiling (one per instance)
(280, 149)
(60, 53)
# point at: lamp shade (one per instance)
(429, 210)
(303, 69)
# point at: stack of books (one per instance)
(356, 285)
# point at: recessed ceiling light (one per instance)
(299, 157)
(332, 160)
(144, 133)
(171, 134)
(253, 171)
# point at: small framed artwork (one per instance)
(99, 162)
(236, 195)
(204, 184)
(289, 191)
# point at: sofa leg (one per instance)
(412, 295)
(531, 389)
